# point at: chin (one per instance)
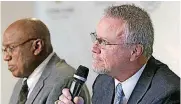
(100, 69)
(16, 74)
(96, 66)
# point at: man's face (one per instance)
(17, 52)
(115, 55)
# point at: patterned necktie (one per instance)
(119, 95)
(23, 93)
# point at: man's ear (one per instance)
(137, 51)
(38, 45)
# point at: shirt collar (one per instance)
(129, 84)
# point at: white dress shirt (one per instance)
(34, 77)
(129, 84)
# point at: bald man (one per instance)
(28, 51)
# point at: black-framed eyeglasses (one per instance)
(100, 41)
(10, 49)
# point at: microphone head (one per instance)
(82, 71)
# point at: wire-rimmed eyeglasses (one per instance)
(100, 41)
(10, 49)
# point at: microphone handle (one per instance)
(75, 86)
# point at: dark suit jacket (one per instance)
(157, 85)
(49, 87)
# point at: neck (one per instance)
(125, 73)
(38, 60)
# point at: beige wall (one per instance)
(10, 12)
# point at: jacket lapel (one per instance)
(42, 79)
(106, 91)
(143, 83)
(35, 91)
(16, 91)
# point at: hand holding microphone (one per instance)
(71, 92)
(66, 98)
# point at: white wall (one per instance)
(166, 22)
(0, 54)
(71, 22)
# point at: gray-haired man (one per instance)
(122, 55)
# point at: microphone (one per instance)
(79, 78)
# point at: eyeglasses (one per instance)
(10, 49)
(99, 40)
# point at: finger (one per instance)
(61, 97)
(59, 102)
(66, 93)
(79, 100)
(65, 100)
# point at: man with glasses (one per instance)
(28, 51)
(122, 55)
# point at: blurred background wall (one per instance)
(70, 24)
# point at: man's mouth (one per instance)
(11, 67)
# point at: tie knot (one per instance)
(25, 86)
(119, 90)
(25, 82)
(119, 87)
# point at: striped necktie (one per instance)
(23, 93)
(119, 95)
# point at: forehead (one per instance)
(109, 27)
(13, 34)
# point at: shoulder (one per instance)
(165, 84)
(55, 74)
(165, 77)
(59, 68)
(64, 69)
(161, 74)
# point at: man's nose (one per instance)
(96, 48)
(7, 57)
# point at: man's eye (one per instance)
(99, 40)
(11, 48)
(3, 49)
(105, 42)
